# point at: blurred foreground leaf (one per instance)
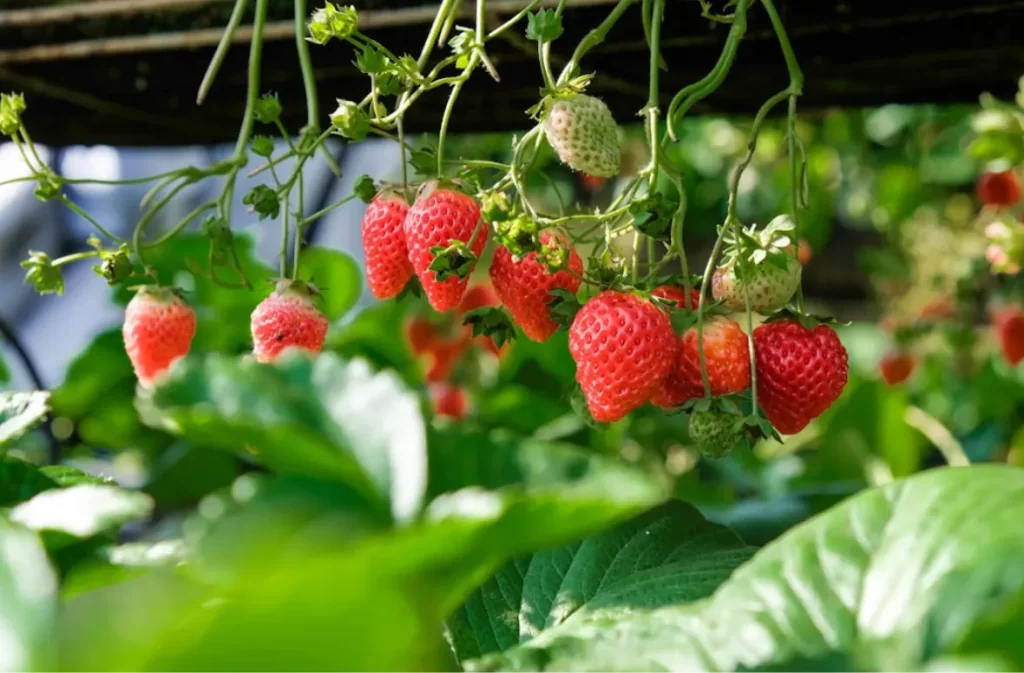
(28, 607)
(20, 412)
(323, 418)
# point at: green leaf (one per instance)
(82, 511)
(183, 474)
(323, 418)
(20, 412)
(544, 25)
(336, 275)
(668, 555)
(66, 476)
(860, 579)
(28, 607)
(5, 373)
(20, 480)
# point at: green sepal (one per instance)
(491, 322)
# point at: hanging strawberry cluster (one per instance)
(641, 328)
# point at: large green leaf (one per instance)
(863, 578)
(20, 480)
(28, 591)
(322, 417)
(82, 511)
(20, 412)
(5, 373)
(667, 555)
(336, 274)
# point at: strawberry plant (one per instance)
(419, 488)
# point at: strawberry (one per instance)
(388, 268)
(770, 287)
(726, 356)
(583, 133)
(757, 262)
(716, 433)
(678, 295)
(288, 318)
(439, 217)
(524, 287)
(800, 372)
(999, 188)
(1009, 324)
(623, 347)
(158, 330)
(449, 400)
(896, 367)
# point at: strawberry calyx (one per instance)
(159, 293)
(750, 245)
(293, 287)
(810, 321)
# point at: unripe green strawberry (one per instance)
(715, 432)
(288, 318)
(771, 287)
(158, 330)
(583, 133)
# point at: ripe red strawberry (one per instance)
(288, 318)
(896, 367)
(623, 347)
(388, 268)
(726, 356)
(678, 295)
(449, 400)
(524, 287)
(999, 188)
(158, 330)
(439, 217)
(1009, 323)
(800, 372)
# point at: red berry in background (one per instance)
(422, 334)
(158, 330)
(388, 268)
(678, 295)
(803, 251)
(1009, 324)
(444, 355)
(938, 310)
(524, 287)
(624, 347)
(999, 188)
(800, 372)
(288, 318)
(449, 400)
(438, 217)
(896, 367)
(726, 357)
